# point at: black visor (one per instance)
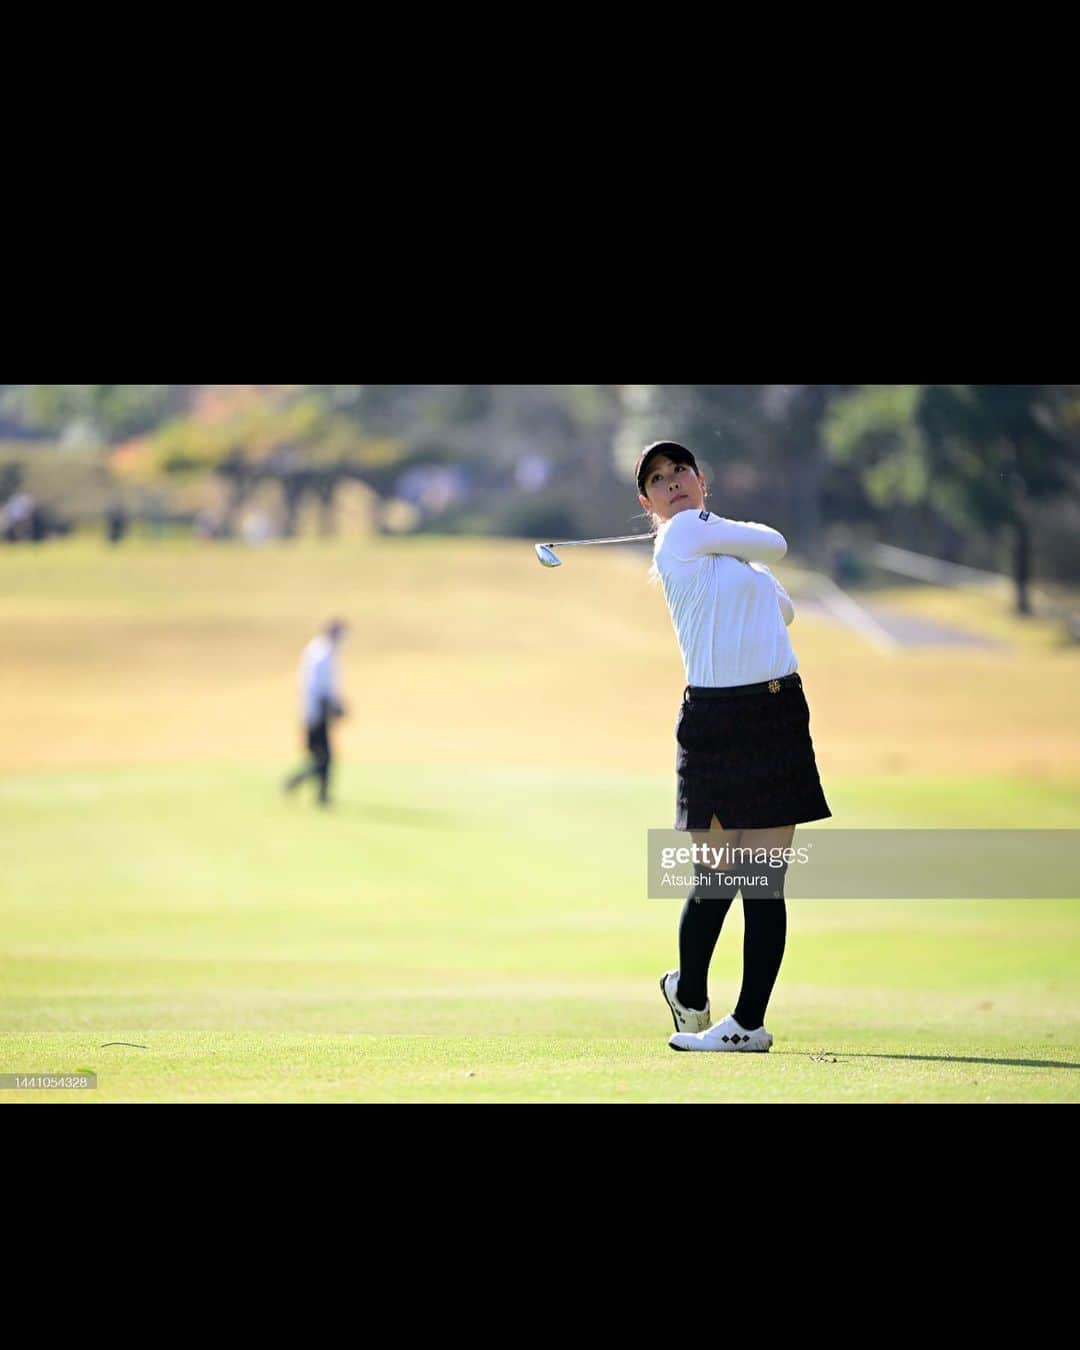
(677, 453)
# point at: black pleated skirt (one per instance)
(745, 756)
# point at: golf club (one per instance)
(547, 557)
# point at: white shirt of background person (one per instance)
(319, 681)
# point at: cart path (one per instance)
(889, 628)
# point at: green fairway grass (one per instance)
(469, 922)
(386, 950)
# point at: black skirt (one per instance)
(745, 756)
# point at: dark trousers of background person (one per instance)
(318, 744)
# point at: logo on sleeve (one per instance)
(703, 515)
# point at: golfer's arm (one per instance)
(787, 609)
(691, 537)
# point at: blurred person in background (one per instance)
(321, 703)
(116, 522)
(17, 517)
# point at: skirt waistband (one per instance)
(792, 681)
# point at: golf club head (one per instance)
(547, 557)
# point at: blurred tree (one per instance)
(509, 442)
(982, 456)
(761, 447)
(722, 424)
(799, 456)
(292, 436)
(500, 458)
(1004, 445)
(105, 412)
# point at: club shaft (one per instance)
(619, 539)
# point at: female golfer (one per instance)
(745, 767)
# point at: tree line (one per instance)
(986, 474)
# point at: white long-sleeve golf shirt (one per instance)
(729, 612)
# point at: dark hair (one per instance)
(678, 454)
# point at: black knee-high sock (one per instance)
(765, 914)
(702, 919)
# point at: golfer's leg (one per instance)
(702, 919)
(765, 935)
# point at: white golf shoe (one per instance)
(686, 1019)
(726, 1035)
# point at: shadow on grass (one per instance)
(410, 816)
(405, 815)
(827, 1056)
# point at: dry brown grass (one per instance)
(466, 651)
